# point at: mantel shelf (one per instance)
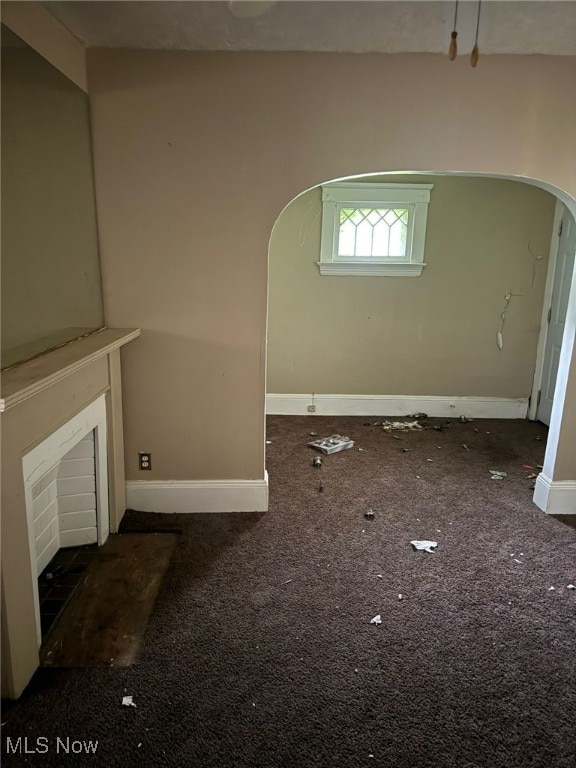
(28, 378)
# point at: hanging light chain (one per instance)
(475, 55)
(453, 50)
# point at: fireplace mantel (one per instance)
(27, 379)
(37, 398)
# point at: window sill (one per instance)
(374, 270)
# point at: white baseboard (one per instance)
(185, 496)
(397, 405)
(555, 497)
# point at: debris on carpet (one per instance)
(332, 444)
(425, 545)
(399, 426)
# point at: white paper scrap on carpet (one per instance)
(426, 546)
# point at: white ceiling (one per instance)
(506, 26)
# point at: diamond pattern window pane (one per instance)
(373, 232)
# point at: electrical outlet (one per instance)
(311, 409)
(144, 461)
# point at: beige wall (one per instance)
(37, 27)
(196, 155)
(432, 335)
(51, 287)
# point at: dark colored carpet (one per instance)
(260, 652)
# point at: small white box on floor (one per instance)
(332, 444)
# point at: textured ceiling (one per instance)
(513, 26)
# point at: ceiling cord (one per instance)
(475, 55)
(453, 50)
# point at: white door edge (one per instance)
(547, 302)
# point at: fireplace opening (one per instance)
(65, 528)
(59, 580)
(66, 487)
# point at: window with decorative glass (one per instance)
(373, 229)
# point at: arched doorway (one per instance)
(376, 364)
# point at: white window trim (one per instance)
(415, 197)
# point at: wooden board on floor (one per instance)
(105, 621)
